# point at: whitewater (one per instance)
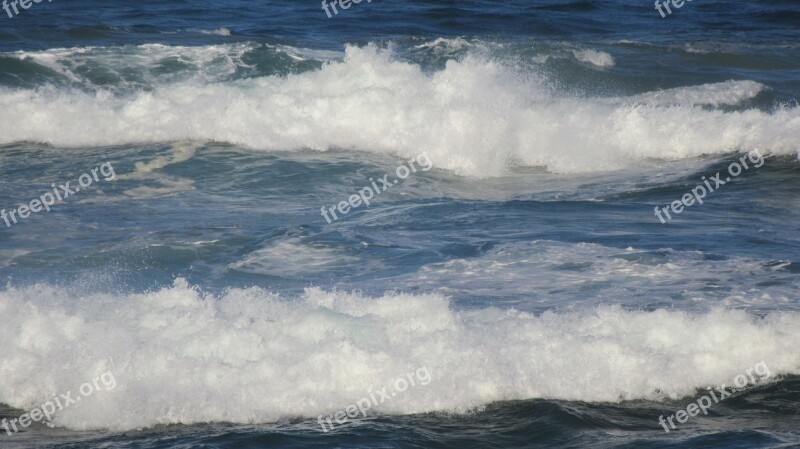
(185, 357)
(475, 117)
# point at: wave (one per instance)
(729, 93)
(476, 117)
(181, 356)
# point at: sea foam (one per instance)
(249, 356)
(476, 117)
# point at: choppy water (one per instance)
(521, 265)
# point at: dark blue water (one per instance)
(216, 256)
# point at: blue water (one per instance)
(520, 265)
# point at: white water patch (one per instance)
(445, 45)
(179, 152)
(250, 356)
(715, 94)
(142, 65)
(453, 47)
(308, 54)
(474, 117)
(292, 258)
(219, 32)
(594, 57)
(555, 275)
(162, 185)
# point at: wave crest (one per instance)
(249, 355)
(474, 117)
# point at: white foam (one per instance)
(219, 32)
(307, 54)
(546, 274)
(142, 65)
(714, 94)
(180, 152)
(474, 117)
(450, 47)
(179, 356)
(292, 258)
(595, 57)
(162, 185)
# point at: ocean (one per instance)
(419, 224)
